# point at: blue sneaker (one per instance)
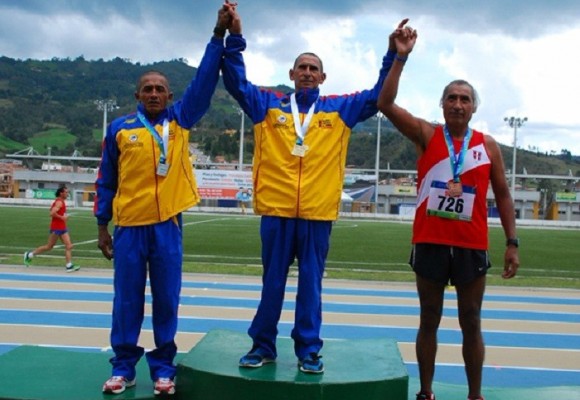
(254, 360)
(311, 364)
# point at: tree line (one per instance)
(36, 95)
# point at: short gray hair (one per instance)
(309, 54)
(461, 82)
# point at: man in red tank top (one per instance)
(58, 230)
(450, 242)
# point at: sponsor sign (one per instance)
(218, 184)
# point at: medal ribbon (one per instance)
(301, 129)
(457, 160)
(162, 142)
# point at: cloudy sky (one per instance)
(522, 56)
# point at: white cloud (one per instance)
(350, 64)
(523, 63)
(262, 70)
(545, 75)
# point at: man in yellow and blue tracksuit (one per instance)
(300, 149)
(145, 182)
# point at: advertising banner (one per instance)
(565, 196)
(222, 184)
(44, 194)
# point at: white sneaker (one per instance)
(164, 386)
(117, 384)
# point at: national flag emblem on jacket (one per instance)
(325, 123)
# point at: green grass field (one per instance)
(58, 138)
(360, 249)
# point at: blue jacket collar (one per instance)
(161, 116)
(305, 97)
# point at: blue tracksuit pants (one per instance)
(283, 241)
(159, 249)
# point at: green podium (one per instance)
(354, 369)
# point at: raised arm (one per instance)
(224, 20)
(416, 129)
(363, 104)
(197, 97)
(234, 71)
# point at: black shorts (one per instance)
(448, 264)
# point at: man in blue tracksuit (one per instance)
(145, 182)
(300, 148)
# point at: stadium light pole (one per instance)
(379, 117)
(105, 106)
(241, 156)
(514, 122)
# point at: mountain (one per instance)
(55, 100)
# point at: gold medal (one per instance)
(299, 150)
(162, 169)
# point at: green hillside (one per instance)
(9, 146)
(50, 103)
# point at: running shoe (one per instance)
(72, 268)
(425, 396)
(254, 360)
(164, 387)
(117, 384)
(27, 258)
(311, 364)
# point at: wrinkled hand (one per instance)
(224, 19)
(235, 25)
(405, 38)
(105, 242)
(392, 45)
(511, 262)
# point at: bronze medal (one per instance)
(455, 189)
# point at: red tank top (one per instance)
(57, 224)
(459, 221)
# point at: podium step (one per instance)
(43, 373)
(354, 369)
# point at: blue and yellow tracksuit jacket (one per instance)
(286, 185)
(129, 191)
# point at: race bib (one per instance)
(447, 204)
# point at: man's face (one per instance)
(154, 93)
(307, 72)
(458, 106)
